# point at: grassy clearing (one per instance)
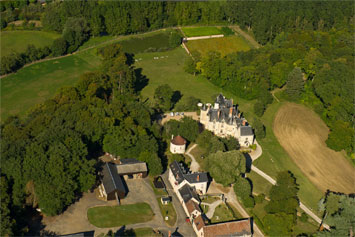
(223, 45)
(145, 232)
(19, 40)
(168, 69)
(210, 199)
(36, 83)
(201, 31)
(222, 213)
(169, 211)
(275, 159)
(112, 216)
(260, 185)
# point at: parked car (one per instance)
(172, 114)
(177, 114)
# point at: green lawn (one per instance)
(275, 159)
(260, 185)
(225, 45)
(201, 31)
(221, 214)
(112, 216)
(36, 83)
(19, 40)
(169, 211)
(145, 232)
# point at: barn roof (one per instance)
(131, 166)
(111, 180)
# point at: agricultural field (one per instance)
(201, 31)
(112, 216)
(275, 159)
(225, 45)
(302, 133)
(36, 83)
(19, 40)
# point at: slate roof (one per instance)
(180, 174)
(178, 140)
(111, 180)
(196, 177)
(187, 193)
(246, 131)
(131, 166)
(233, 228)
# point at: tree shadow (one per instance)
(248, 162)
(176, 97)
(141, 80)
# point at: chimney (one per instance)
(230, 111)
(198, 178)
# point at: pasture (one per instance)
(223, 45)
(201, 31)
(36, 83)
(19, 40)
(302, 133)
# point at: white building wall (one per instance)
(175, 149)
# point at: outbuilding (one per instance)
(132, 169)
(177, 145)
(112, 186)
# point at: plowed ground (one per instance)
(302, 133)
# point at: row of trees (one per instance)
(52, 152)
(265, 19)
(316, 67)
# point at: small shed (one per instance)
(165, 200)
(177, 145)
(112, 186)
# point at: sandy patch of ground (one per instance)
(302, 133)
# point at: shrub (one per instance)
(259, 108)
(227, 31)
(304, 217)
(260, 198)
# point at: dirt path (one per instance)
(194, 167)
(250, 39)
(302, 133)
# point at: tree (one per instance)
(75, 32)
(216, 145)
(242, 189)
(204, 139)
(341, 136)
(190, 66)
(7, 222)
(259, 108)
(174, 39)
(153, 161)
(226, 167)
(188, 104)
(163, 97)
(59, 46)
(259, 129)
(295, 84)
(230, 143)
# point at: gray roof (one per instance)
(180, 174)
(196, 177)
(131, 166)
(111, 180)
(188, 193)
(223, 113)
(246, 131)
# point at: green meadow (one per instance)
(19, 40)
(201, 31)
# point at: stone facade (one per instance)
(224, 119)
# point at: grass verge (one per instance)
(168, 211)
(112, 216)
(201, 31)
(221, 214)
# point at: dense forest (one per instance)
(50, 157)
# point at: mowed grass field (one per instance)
(36, 83)
(302, 133)
(225, 45)
(112, 216)
(19, 40)
(169, 69)
(201, 31)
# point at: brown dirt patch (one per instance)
(302, 133)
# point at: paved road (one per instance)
(195, 166)
(182, 226)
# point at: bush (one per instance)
(304, 217)
(59, 47)
(227, 31)
(242, 189)
(260, 198)
(259, 108)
